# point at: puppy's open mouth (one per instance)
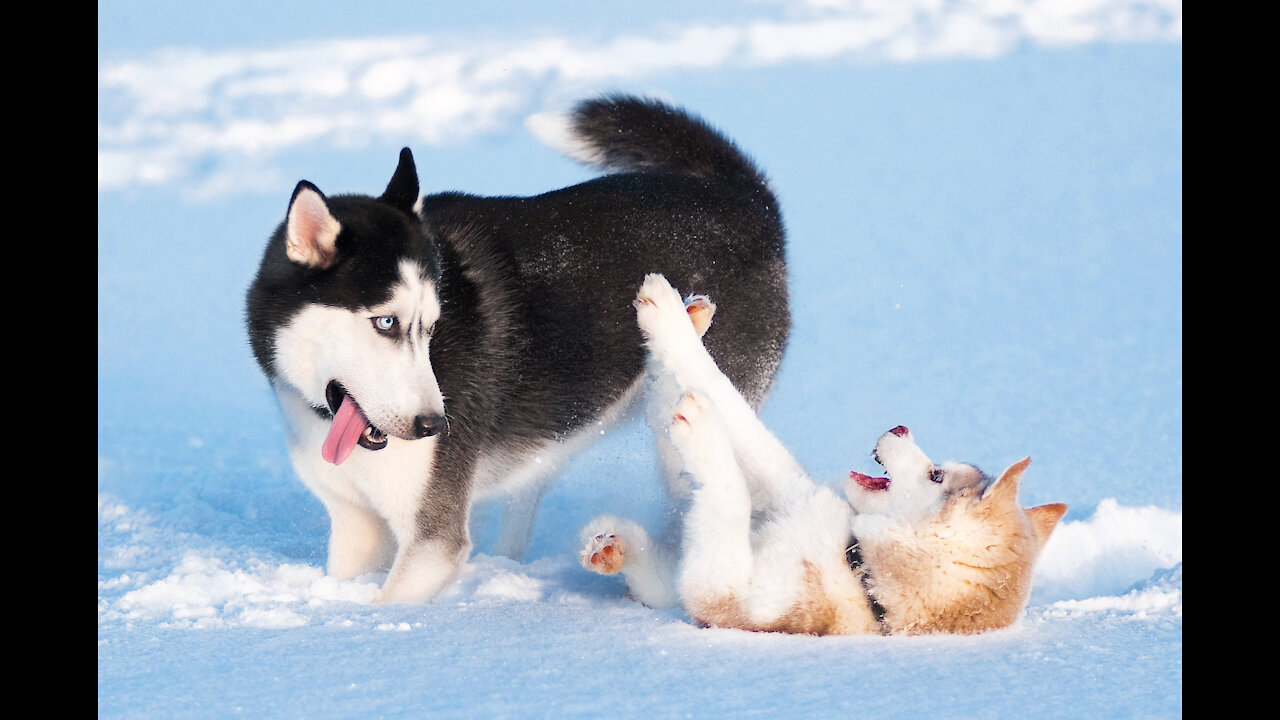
(869, 483)
(877, 483)
(350, 427)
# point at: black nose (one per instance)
(428, 425)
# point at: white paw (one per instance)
(691, 421)
(605, 553)
(689, 410)
(659, 309)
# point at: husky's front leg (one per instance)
(716, 562)
(359, 540)
(421, 570)
(434, 539)
(613, 545)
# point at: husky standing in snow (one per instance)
(426, 353)
(927, 548)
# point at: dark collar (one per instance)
(853, 556)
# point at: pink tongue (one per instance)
(868, 482)
(348, 424)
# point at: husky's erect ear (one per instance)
(1044, 518)
(1005, 488)
(402, 191)
(311, 231)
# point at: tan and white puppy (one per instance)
(927, 548)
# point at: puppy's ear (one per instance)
(1044, 518)
(311, 231)
(1005, 488)
(402, 191)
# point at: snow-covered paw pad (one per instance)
(605, 553)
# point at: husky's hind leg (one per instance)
(716, 558)
(519, 516)
(676, 350)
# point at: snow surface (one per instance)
(987, 251)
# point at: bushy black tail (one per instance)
(626, 133)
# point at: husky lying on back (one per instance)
(927, 548)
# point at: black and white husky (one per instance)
(426, 353)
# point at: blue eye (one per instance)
(385, 323)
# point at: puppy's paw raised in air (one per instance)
(604, 551)
(689, 411)
(700, 310)
(659, 308)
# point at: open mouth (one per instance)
(350, 427)
(877, 483)
(869, 483)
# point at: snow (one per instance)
(1085, 567)
(1109, 551)
(988, 251)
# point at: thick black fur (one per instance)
(538, 334)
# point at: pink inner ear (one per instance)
(311, 232)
